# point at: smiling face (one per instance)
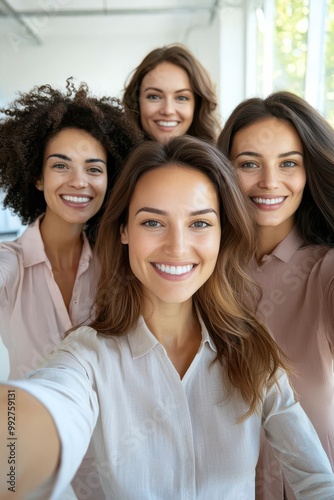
(173, 232)
(166, 102)
(74, 178)
(269, 159)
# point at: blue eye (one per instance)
(248, 164)
(288, 164)
(152, 97)
(151, 223)
(201, 224)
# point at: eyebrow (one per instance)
(257, 155)
(67, 158)
(160, 90)
(157, 211)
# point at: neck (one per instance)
(177, 328)
(62, 242)
(172, 324)
(269, 237)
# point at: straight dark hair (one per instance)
(315, 215)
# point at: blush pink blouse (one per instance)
(33, 315)
(298, 307)
(34, 318)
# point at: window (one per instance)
(295, 50)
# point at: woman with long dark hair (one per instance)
(283, 152)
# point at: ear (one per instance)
(39, 185)
(124, 235)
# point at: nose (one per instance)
(269, 177)
(176, 242)
(167, 106)
(78, 179)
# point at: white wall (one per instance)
(103, 62)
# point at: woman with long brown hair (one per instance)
(175, 377)
(170, 93)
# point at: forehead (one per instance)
(165, 74)
(76, 140)
(267, 134)
(175, 186)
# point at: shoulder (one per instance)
(85, 343)
(11, 256)
(279, 394)
(325, 269)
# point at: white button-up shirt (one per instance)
(156, 436)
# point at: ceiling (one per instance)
(41, 20)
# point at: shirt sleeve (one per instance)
(296, 444)
(9, 270)
(327, 290)
(65, 389)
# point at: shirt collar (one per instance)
(287, 247)
(33, 246)
(141, 340)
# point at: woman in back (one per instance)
(283, 152)
(170, 94)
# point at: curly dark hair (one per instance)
(36, 116)
(205, 124)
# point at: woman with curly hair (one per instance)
(175, 376)
(283, 153)
(170, 94)
(59, 155)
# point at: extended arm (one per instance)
(296, 444)
(29, 443)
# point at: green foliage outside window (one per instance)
(329, 58)
(290, 39)
(290, 45)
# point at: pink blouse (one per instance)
(34, 318)
(33, 315)
(298, 307)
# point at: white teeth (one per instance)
(167, 124)
(174, 269)
(268, 201)
(76, 199)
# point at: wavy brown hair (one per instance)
(205, 124)
(36, 116)
(315, 215)
(244, 346)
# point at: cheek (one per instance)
(210, 247)
(299, 184)
(144, 109)
(245, 182)
(101, 186)
(139, 244)
(190, 112)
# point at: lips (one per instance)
(76, 199)
(163, 123)
(268, 201)
(175, 270)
